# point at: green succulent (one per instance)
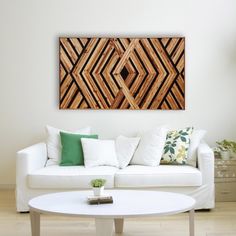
(97, 183)
(226, 145)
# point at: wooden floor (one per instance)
(219, 222)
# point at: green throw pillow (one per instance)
(176, 146)
(72, 152)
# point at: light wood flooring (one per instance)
(219, 222)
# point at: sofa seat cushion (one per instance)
(136, 176)
(70, 177)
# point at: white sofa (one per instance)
(33, 178)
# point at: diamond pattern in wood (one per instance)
(122, 73)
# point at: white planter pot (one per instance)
(233, 154)
(98, 191)
(225, 155)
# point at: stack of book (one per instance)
(100, 199)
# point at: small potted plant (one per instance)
(224, 148)
(98, 186)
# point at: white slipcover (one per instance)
(30, 162)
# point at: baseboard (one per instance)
(7, 186)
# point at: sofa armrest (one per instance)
(27, 160)
(31, 158)
(206, 163)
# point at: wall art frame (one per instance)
(122, 73)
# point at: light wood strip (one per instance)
(178, 95)
(84, 41)
(62, 73)
(77, 45)
(117, 100)
(76, 101)
(172, 101)
(66, 62)
(126, 91)
(164, 41)
(115, 44)
(172, 45)
(178, 51)
(180, 65)
(69, 49)
(164, 106)
(180, 81)
(84, 105)
(64, 86)
(69, 95)
(125, 56)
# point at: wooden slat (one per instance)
(62, 73)
(69, 49)
(172, 45)
(125, 56)
(69, 95)
(76, 101)
(65, 60)
(64, 86)
(177, 52)
(77, 45)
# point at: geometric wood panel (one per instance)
(122, 73)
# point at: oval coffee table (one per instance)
(127, 203)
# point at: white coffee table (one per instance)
(127, 203)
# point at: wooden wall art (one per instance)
(122, 73)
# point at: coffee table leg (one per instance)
(119, 225)
(35, 223)
(104, 227)
(191, 222)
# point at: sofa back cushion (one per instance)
(125, 148)
(54, 143)
(150, 147)
(196, 138)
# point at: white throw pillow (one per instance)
(125, 148)
(150, 147)
(54, 143)
(99, 152)
(195, 140)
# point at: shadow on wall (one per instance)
(231, 56)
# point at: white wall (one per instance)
(29, 32)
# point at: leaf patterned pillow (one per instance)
(176, 146)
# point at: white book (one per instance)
(103, 197)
